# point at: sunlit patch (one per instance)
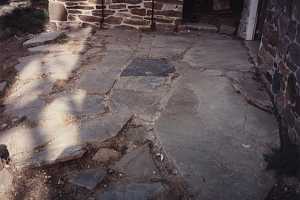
(62, 109)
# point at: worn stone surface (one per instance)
(57, 11)
(137, 164)
(75, 94)
(6, 182)
(279, 56)
(207, 145)
(106, 155)
(210, 53)
(89, 178)
(42, 38)
(131, 191)
(148, 67)
(226, 29)
(200, 27)
(3, 85)
(49, 156)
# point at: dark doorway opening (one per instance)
(213, 12)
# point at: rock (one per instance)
(51, 156)
(6, 182)
(89, 178)
(43, 38)
(105, 155)
(225, 29)
(3, 85)
(137, 164)
(132, 191)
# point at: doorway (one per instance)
(224, 14)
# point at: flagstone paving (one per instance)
(89, 86)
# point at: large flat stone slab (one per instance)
(43, 38)
(137, 164)
(205, 128)
(218, 53)
(131, 191)
(144, 105)
(89, 178)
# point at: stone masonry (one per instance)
(135, 14)
(280, 56)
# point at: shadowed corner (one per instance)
(30, 89)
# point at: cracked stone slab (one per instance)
(105, 155)
(252, 88)
(54, 66)
(137, 164)
(97, 82)
(3, 85)
(145, 105)
(89, 178)
(203, 129)
(43, 38)
(6, 183)
(62, 137)
(49, 156)
(144, 83)
(131, 191)
(25, 98)
(212, 53)
(68, 105)
(148, 67)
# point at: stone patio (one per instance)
(86, 88)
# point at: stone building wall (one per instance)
(280, 56)
(117, 13)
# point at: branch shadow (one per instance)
(48, 115)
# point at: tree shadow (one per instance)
(33, 95)
(20, 19)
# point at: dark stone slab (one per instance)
(148, 67)
(89, 178)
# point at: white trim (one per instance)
(252, 19)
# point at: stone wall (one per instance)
(280, 56)
(135, 14)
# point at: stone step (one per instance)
(199, 27)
